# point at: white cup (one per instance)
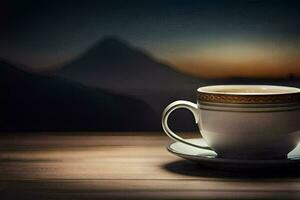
(244, 121)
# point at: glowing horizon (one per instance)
(252, 59)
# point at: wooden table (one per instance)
(123, 166)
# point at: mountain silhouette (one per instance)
(114, 64)
(32, 102)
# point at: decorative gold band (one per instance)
(249, 99)
(249, 109)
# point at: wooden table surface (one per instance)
(123, 166)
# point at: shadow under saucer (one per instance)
(189, 168)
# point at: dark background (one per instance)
(114, 65)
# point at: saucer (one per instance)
(209, 158)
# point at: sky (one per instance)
(204, 38)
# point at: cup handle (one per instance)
(169, 109)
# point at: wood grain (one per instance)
(123, 166)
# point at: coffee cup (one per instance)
(244, 121)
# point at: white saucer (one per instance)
(209, 158)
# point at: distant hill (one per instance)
(114, 64)
(31, 102)
(117, 66)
